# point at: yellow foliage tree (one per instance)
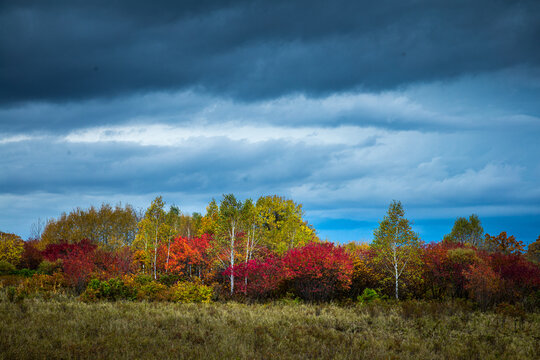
(11, 248)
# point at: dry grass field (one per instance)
(65, 328)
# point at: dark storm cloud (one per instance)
(73, 50)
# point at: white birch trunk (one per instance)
(232, 255)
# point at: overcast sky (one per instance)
(342, 106)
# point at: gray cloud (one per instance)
(206, 165)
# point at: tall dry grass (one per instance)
(64, 328)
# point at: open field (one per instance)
(66, 328)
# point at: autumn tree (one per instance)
(265, 277)
(229, 222)
(533, 251)
(108, 227)
(179, 225)
(153, 230)
(504, 244)
(467, 231)
(365, 275)
(189, 255)
(208, 224)
(281, 225)
(395, 243)
(11, 248)
(248, 215)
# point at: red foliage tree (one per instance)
(318, 271)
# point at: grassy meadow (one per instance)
(65, 328)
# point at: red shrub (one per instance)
(31, 256)
(258, 279)
(318, 271)
(520, 276)
(62, 249)
(444, 264)
(78, 260)
(483, 284)
(78, 265)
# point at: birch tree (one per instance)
(229, 222)
(249, 225)
(395, 243)
(152, 230)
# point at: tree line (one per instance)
(265, 249)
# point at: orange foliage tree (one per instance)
(504, 244)
(188, 256)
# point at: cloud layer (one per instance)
(72, 50)
(342, 106)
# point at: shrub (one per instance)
(78, 266)
(112, 290)
(142, 279)
(43, 284)
(483, 284)
(62, 249)
(6, 267)
(50, 267)
(520, 276)
(258, 279)
(31, 256)
(25, 272)
(365, 274)
(152, 291)
(458, 261)
(367, 296)
(318, 272)
(191, 292)
(169, 279)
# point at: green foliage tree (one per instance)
(395, 243)
(467, 231)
